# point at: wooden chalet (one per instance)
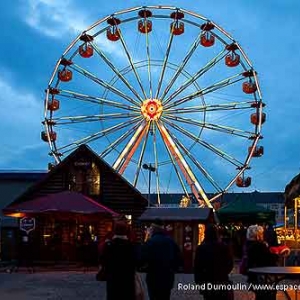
(185, 225)
(63, 232)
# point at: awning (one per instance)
(202, 215)
(245, 211)
(63, 202)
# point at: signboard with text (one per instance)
(27, 224)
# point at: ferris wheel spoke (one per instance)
(206, 145)
(183, 165)
(116, 71)
(162, 73)
(175, 166)
(103, 83)
(141, 156)
(118, 141)
(191, 80)
(91, 118)
(216, 86)
(127, 159)
(220, 128)
(136, 138)
(132, 64)
(101, 133)
(181, 66)
(156, 163)
(197, 163)
(148, 61)
(97, 100)
(210, 107)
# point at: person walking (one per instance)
(212, 265)
(119, 260)
(270, 236)
(162, 258)
(258, 254)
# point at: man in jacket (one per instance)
(162, 258)
(213, 263)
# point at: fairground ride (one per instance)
(161, 87)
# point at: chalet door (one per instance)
(188, 246)
(183, 234)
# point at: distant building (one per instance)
(270, 200)
(12, 185)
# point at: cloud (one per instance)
(61, 19)
(54, 18)
(20, 115)
(18, 106)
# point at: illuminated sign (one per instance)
(27, 224)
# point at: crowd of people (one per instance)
(160, 258)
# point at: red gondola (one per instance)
(86, 50)
(258, 151)
(249, 87)
(113, 33)
(65, 75)
(52, 136)
(232, 59)
(207, 38)
(243, 182)
(145, 26)
(176, 27)
(255, 118)
(53, 105)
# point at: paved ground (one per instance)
(75, 285)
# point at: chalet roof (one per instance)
(177, 214)
(64, 202)
(82, 150)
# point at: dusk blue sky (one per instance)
(35, 33)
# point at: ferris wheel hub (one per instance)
(152, 109)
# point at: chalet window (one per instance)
(93, 180)
(84, 178)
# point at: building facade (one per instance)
(81, 172)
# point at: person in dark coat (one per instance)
(270, 236)
(119, 260)
(212, 265)
(258, 255)
(162, 258)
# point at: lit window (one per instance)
(85, 178)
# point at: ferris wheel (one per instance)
(159, 89)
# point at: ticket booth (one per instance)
(185, 225)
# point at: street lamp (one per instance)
(150, 168)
